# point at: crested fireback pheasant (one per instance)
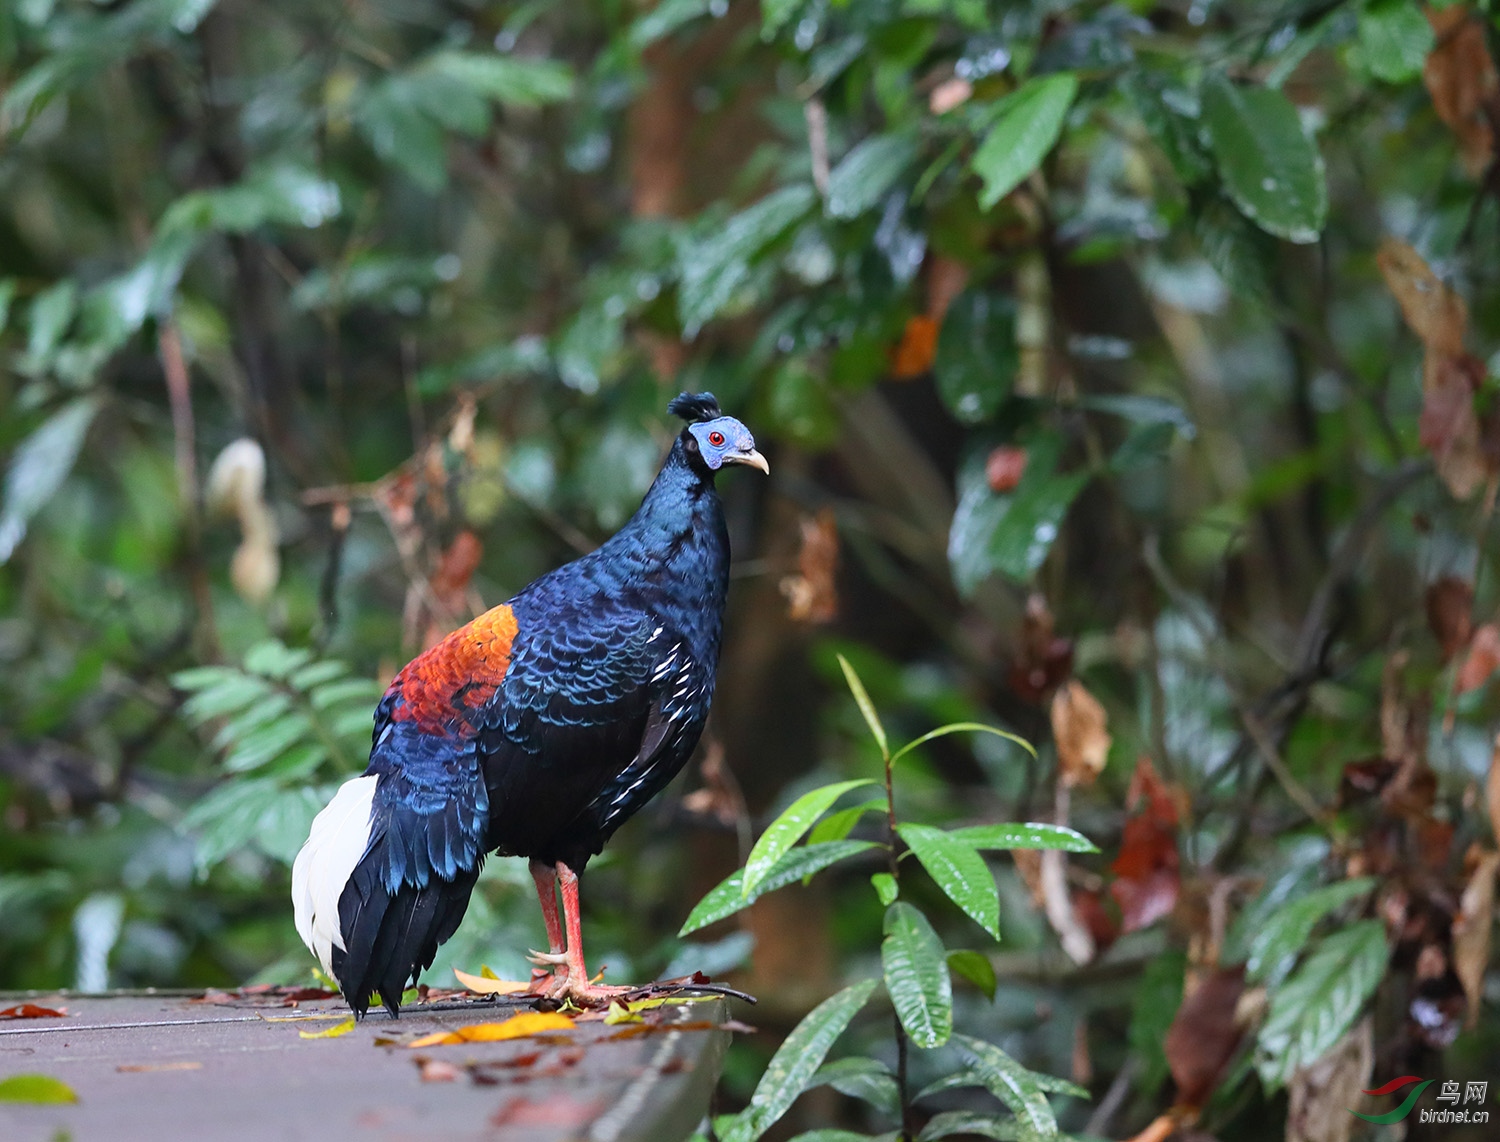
(536, 730)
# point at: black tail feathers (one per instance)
(390, 939)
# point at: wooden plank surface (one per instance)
(152, 1068)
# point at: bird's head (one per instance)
(712, 437)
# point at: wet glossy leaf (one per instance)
(804, 860)
(1271, 169)
(1395, 38)
(40, 1089)
(916, 976)
(976, 968)
(959, 871)
(713, 266)
(837, 826)
(1012, 1084)
(1027, 127)
(788, 828)
(1027, 835)
(1276, 946)
(515, 80)
(1011, 534)
(885, 887)
(1310, 1012)
(866, 173)
(794, 1064)
(977, 357)
(970, 1123)
(39, 467)
(868, 1080)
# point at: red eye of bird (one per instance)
(716, 438)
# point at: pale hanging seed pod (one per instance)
(236, 486)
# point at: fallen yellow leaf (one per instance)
(330, 1032)
(516, 1027)
(487, 984)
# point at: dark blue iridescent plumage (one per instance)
(542, 727)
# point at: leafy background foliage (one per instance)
(1128, 374)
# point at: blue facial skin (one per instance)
(725, 441)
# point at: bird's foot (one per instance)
(562, 987)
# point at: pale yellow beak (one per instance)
(752, 458)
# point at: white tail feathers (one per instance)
(335, 844)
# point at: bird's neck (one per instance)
(680, 541)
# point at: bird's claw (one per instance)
(548, 959)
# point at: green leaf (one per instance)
(1276, 946)
(962, 728)
(226, 697)
(40, 1089)
(39, 467)
(950, 1122)
(1029, 123)
(916, 976)
(275, 660)
(365, 691)
(959, 871)
(664, 19)
(514, 80)
(317, 673)
(269, 709)
(285, 822)
(976, 968)
(1011, 532)
(866, 173)
(1025, 836)
(885, 887)
(787, 830)
(866, 707)
(868, 1080)
(1310, 1012)
(1012, 1084)
(228, 818)
(51, 314)
(1395, 38)
(266, 743)
(1271, 169)
(729, 897)
(716, 264)
(977, 356)
(837, 826)
(1153, 1006)
(795, 1063)
(832, 1134)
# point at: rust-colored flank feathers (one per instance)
(463, 669)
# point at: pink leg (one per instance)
(573, 982)
(546, 891)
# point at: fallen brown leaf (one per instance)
(488, 984)
(1147, 877)
(1449, 603)
(145, 1068)
(1471, 930)
(1481, 662)
(516, 1027)
(1448, 426)
(1320, 1095)
(32, 1011)
(1461, 79)
(436, 1070)
(1436, 314)
(558, 1110)
(812, 593)
(1205, 1035)
(1079, 728)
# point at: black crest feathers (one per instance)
(695, 407)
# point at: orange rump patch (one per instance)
(459, 673)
